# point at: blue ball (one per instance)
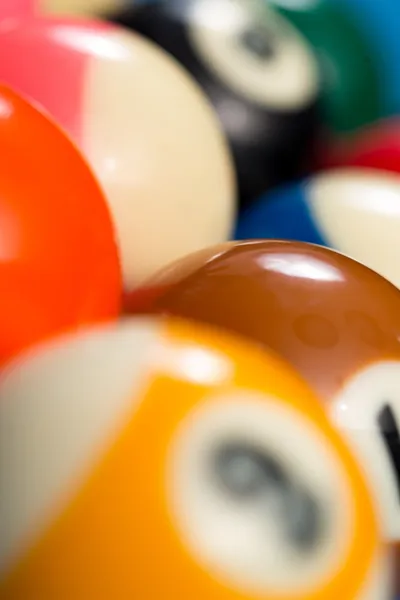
(281, 214)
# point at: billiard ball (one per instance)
(376, 146)
(356, 211)
(59, 263)
(145, 127)
(379, 21)
(336, 321)
(156, 467)
(257, 70)
(349, 65)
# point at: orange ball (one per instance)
(156, 459)
(59, 264)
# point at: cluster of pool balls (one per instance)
(199, 300)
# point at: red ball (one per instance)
(59, 264)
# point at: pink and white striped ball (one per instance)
(143, 124)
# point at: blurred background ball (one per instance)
(379, 22)
(258, 71)
(349, 68)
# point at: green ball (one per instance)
(349, 69)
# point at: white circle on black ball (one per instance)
(255, 52)
(367, 411)
(258, 495)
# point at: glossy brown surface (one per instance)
(325, 313)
